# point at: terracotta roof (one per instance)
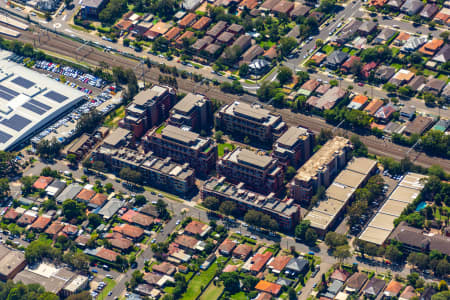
(374, 106)
(349, 62)
(408, 293)
(340, 275)
(367, 68)
(54, 228)
(227, 246)
(230, 268)
(431, 47)
(361, 99)
(41, 222)
(196, 227)
(269, 4)
(172, 33)
(378, 2)
(160, 27)
(242, 250)
(99, 199)
(443, 16)
(259, 261)
(186, 241)
(107, 254)
(85, 195)
(124, 25)
(264, 296)
(135, 217)
(250, 4)
(202, 23)
(42, 182)
(279, 262)
(129, 230)
(271, 53)
(121, 243)
(70, 229)
(26, 219)
(283, 7)
(356, 281)
(393, 288)
(319, 57)
(185, 35)
(83, 239)
(165, 268)
(187, 20)
(403, 36)
(269, 287)
(323, 88)
(11, 214)
(311, 85)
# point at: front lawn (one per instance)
(110, 284)
(327, 49)
(199, 282)
(221, 148)
(239, 296)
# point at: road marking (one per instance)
(57, 25)
(64, 17)
(68, 30)
(43, 22)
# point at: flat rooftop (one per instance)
(180, 135)
(339, 192)
(249, 158)
(404, 194)
(393, 207)
(361, 165)
(292, 135)
(28, 101)
(414, 181)
(383, 221)
(318, 219)
(375, 235)
(350, 178)
(322, 158)
(251, 112)
(185, 105)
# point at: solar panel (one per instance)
(52, 95)
(4, 137)
(39, 104)
(8, 90)
(25, 83)
(33, 108)
(6, 96)
(16, 122)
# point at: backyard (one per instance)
(221, 148)
(213, 292)
(199, 282)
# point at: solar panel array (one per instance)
(36, 107)
(7, 93)
(4, 137)
(25, 83)
(16, 122)
(57, 97)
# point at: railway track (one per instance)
(69, 48)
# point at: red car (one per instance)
(360, 84)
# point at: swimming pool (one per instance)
(421, 206)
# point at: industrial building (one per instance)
(29, 101)
(320, 169)
(11, 262)
(381, 226)
(250, 120)
(286, 212)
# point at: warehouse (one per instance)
(28, 101)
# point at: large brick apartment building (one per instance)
(320, 169)
(193, 111)
(260, 172)
(183, 146)
(250, 120)
(149, 108)
(157, 172)
(285, 212)
(294, 146)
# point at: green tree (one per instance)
(94, 220)
(267, 90)
(4, 187)
(243, 70)
(334, 240)
(342, 253)
(284, 75)
(389, 87)
(71, 209)
(292, 295)
(48, 149)
(88, 122)
(218, 135)
(301, 228)
(72, 158)
(211, 203)
(230, 282)
(140, 200)
(445, 295)
(393, 254)
(310, 237)
(359, 148)
(287, 44)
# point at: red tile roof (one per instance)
(279, 262)
(196, 227)
(186, 241)
(227, 246)
(85, 195)
(341, 275)
(121, 243)
(165, 268)
(242, 250)
(26, 219)
(54, 228)
(132, 216)
(41, 222)
(107, 254)
(99, 199)
(230, 268)
(42, 182)
(268, 287)
(129, 230)
(259, 261)
(11, 214)
(70, 229)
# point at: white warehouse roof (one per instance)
(28, 101)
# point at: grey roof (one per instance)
(92, 3)
(435, 84)
(395, 3)
(417, 82)
(385, 72)
(393, 127)
(116, 136)
(412, 6)
(443, 55)
(429, 10)
(337, 57)
(367, 26)
(335, 287)
(57, 184)
(413, 43)
(357, 280)
(297, 264)
(291, 136)
(374, 286)
(284, 281)
(179, 135)
(188, 103)
(110, 208)
(251, 158)
(69, 192)
(252, 53)
(385, 34)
